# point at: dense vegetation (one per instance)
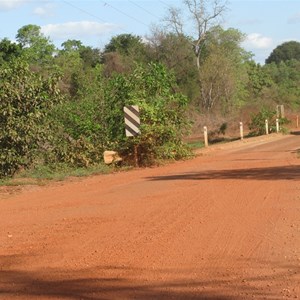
(65, 106)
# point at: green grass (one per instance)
(195, 144)
(41, 174)
(62, 171)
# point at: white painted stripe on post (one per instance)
(134, 128)
(131, 114)
(132, 120)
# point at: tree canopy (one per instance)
(38, 48)
(284, 52)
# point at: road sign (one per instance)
(132, 120)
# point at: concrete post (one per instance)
(267, 127)
(241, 131)
(205, 136)
(277, 125)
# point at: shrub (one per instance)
(162, 114)
(257, 125)
(25, 99)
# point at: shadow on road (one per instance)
(270, 173)
(93, 283)
(295, 133)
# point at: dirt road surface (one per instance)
(225, 225)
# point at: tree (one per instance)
(202, 15)
(122, 52)
(284, 52)
(223, 74)
(285, 78)
(258, 79)
(38, 49)
(9, 50)
(71, 45)
(125, 44)
(176, 54)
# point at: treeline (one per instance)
(65, 106)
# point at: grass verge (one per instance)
(41, 174)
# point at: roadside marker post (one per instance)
(205, 136)
(267, 127)
(241, 131)
(277, 125)
(132, 126)
(132, 120)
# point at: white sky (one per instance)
(267, 23)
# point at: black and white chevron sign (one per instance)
(132, 120)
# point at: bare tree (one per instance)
(202, 15)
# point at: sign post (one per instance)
(132, 126)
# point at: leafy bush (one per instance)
(258, 125)
(162, 113)
(25, 99)
(78, 124)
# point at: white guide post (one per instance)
(205, 136)
(277, 125)
(267, 127)
(241, 131)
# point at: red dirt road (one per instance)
(225, 225)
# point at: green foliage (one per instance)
(37, 49)
(9, 50)
(223, 128)
(258, 79)
(41, 132)
(25, 99)
(258, 125)
(60, 171)
(285, 78)
(80, 132)
(124, 44)
(121, 54)
(284, 52)
(162, 112)
(78, 139)
(176, 53)
(90, 56)
(223, 73)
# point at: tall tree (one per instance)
(71, 45)
(176, 53)
(124, 44)
(286, 81)
(223, 73)
(122, 52)
(9, 50)
(286, 51)
(90, 56)
(201, 15)
(37, 48)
